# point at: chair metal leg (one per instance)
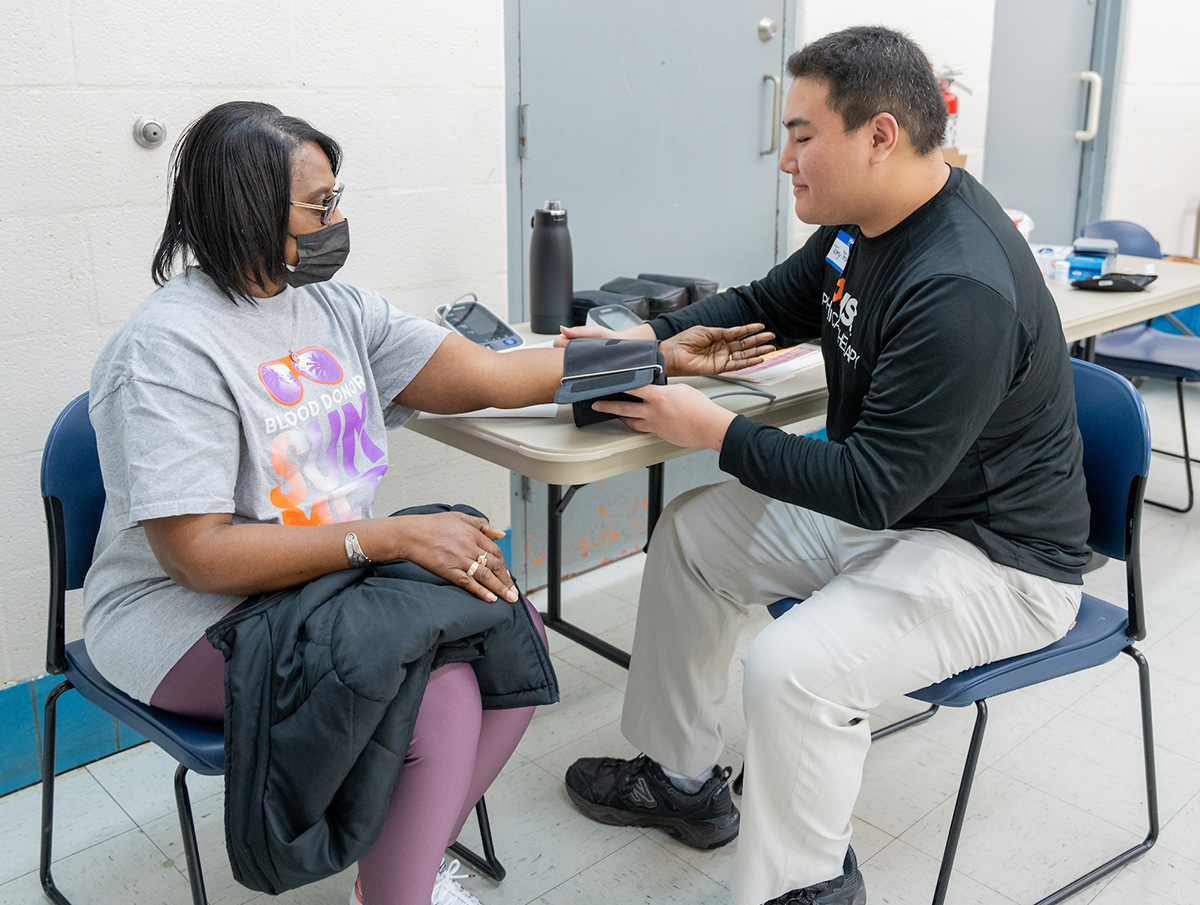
(904, 723)
(1130, 854)
(187, 827)
(1187, 456)
(875, 736)
(960, 805)
(1107, 867)
(48, 739)
(487, 863)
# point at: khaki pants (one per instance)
(885, 613)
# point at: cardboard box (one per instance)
(954, 158)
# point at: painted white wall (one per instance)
(957, 35)
(413, 90)
(1154, 166)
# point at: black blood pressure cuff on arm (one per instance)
(662, 297)
(696, 288)
(597, 368)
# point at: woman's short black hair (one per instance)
(231, 175)
(871, 69)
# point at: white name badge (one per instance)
(839, 254)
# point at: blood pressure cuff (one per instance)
(662, 297)
(597, 368)
(696, 288)
(587, 299)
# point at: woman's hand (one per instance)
(460, 548)
(209, 554)
(566, 334)
(712, 350)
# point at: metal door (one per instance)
(656, 125)
(1049, 108)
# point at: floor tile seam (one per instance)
(992, 758)
(57, 859)
(938, 860)
(1135, 732)
(659, 839)
(1140, 782)
(539, 896)
(1165, 843)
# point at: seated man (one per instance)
(941, 527)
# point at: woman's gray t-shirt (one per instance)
(198, 408)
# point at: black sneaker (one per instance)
(848, 889)
(637, 793)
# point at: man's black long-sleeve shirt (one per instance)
(951, 400)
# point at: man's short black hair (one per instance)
(231, 174)
(871, 69)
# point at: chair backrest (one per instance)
(1116, 455)
(1131, 239)
(73, 494)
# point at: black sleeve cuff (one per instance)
(736, 435)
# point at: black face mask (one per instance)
(322, 254)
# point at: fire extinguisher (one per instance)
(946, 78)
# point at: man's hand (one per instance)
(678, 413)
(712, 350)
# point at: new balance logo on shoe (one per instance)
(640, 794)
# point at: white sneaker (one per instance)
(446, 889)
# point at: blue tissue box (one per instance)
(1084, 266)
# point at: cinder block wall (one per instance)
(413, 90)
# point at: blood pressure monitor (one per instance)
(614, 317)
(469, 317)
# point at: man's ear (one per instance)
(885, 136)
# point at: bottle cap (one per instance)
(554, 210)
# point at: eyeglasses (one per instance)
(327, 206)
(282, 376)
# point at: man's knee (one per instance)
(776, 668)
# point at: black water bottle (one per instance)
(551, 287)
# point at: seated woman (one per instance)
(240, 414)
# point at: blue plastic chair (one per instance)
(1164, 348)
(1131, 238)
(1116, 460)
(73, 494)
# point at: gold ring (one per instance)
(471, 571)
(481, 559)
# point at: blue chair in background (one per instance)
(1131, 238)
(1165, 348)
(73, 494)
(1116, 460)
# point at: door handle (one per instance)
(1088, 132)
(776, 112)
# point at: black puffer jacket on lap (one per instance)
(322, 686)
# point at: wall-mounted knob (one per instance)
(767, 29)
(149, 132)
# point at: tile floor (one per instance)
(1058, 788)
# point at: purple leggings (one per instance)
(457, 750)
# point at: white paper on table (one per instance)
(778, 365)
